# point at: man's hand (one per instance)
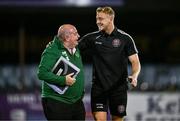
(133, 80)
(69, 80)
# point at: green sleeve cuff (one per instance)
(62, 80)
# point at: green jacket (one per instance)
(48, 59)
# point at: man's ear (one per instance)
(67, 38)
(111, 18)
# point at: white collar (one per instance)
(73, 50)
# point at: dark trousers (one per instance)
(56, 110)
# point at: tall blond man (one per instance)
(111, 49)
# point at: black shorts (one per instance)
(115, 100)
(56, 110)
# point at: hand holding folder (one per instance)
(63, 67)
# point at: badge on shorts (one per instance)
(116, 42)
(121, 108)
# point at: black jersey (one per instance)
(110, 56)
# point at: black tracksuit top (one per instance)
(110, 56)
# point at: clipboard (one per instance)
(63, 67)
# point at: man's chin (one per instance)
(101, 29)
(76, 44)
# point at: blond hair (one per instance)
(106, 10)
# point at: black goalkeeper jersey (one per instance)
(110, 56)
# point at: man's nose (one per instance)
(78, 35)
(97, 21)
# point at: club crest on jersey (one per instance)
(116, 42)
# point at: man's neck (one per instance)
(110, 29)
(67, 46)
(70, 49)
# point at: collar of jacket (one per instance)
(58, 42)
(114, 32)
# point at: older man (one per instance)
(68, 105)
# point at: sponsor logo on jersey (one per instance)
(98, 43)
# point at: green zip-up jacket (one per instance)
(48, 59)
